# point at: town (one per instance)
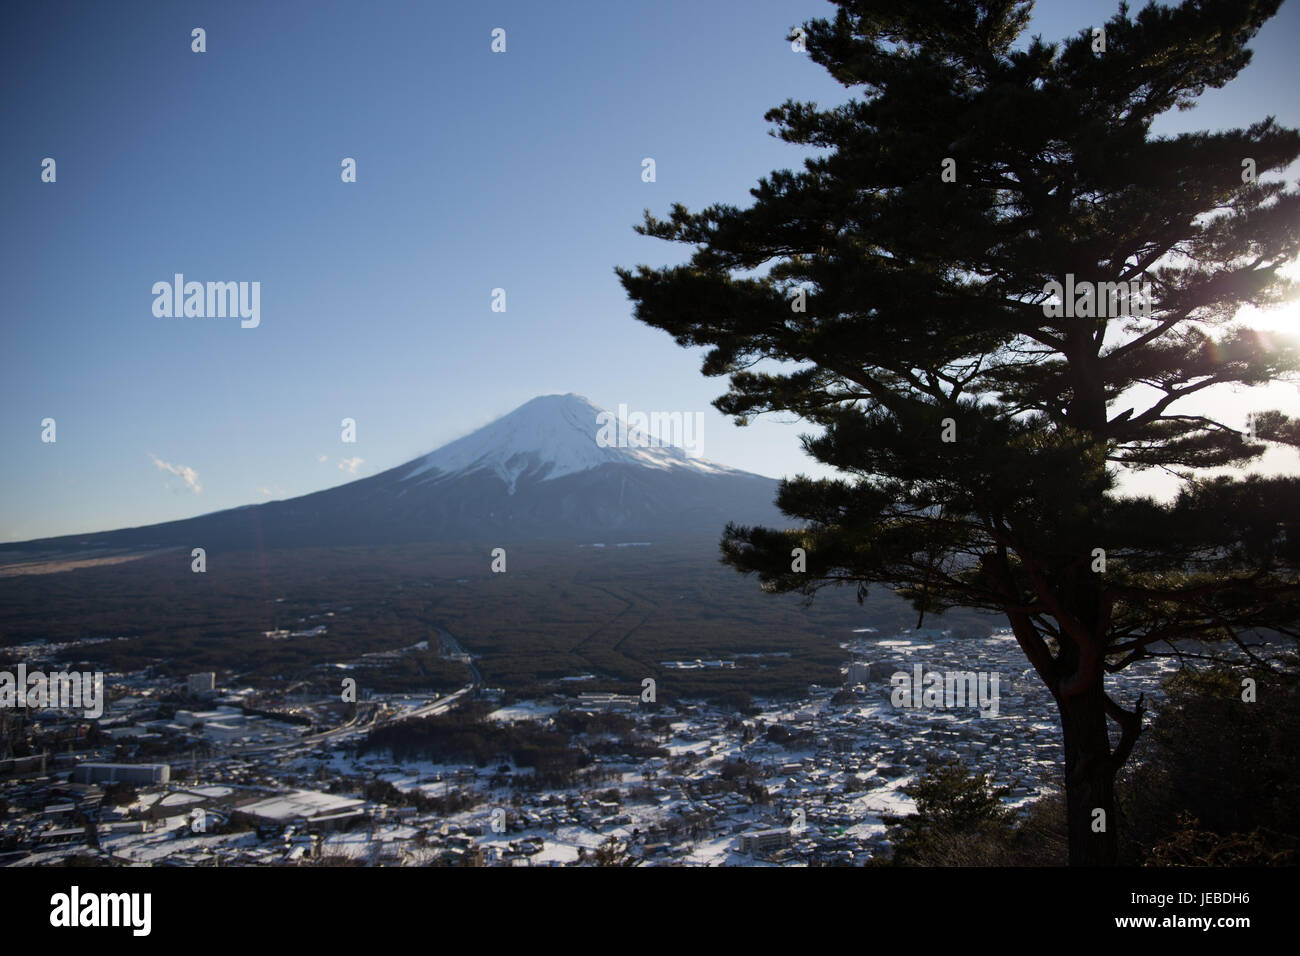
(197, 773)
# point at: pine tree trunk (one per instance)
(1089, 779)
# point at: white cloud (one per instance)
(272, 492)
(350, 465)
(184, 472)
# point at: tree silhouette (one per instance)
(929, 290)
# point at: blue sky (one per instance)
(475, 171)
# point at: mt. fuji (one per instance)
(553, 436)
(546, 471)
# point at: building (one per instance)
(204, 683)
(859, 672)
(136, 774)
(598, 701)
(191, 718)
(761, 841)
(304, 807)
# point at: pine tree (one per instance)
(925, 289)
(954, 806)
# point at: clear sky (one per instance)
(475, 170)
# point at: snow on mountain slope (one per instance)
(539, 473)
(552, 436)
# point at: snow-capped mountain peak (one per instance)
(557, 468)
(556, 435)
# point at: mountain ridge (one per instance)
(539, 472)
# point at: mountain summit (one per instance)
(557, 435)
(556, 468)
